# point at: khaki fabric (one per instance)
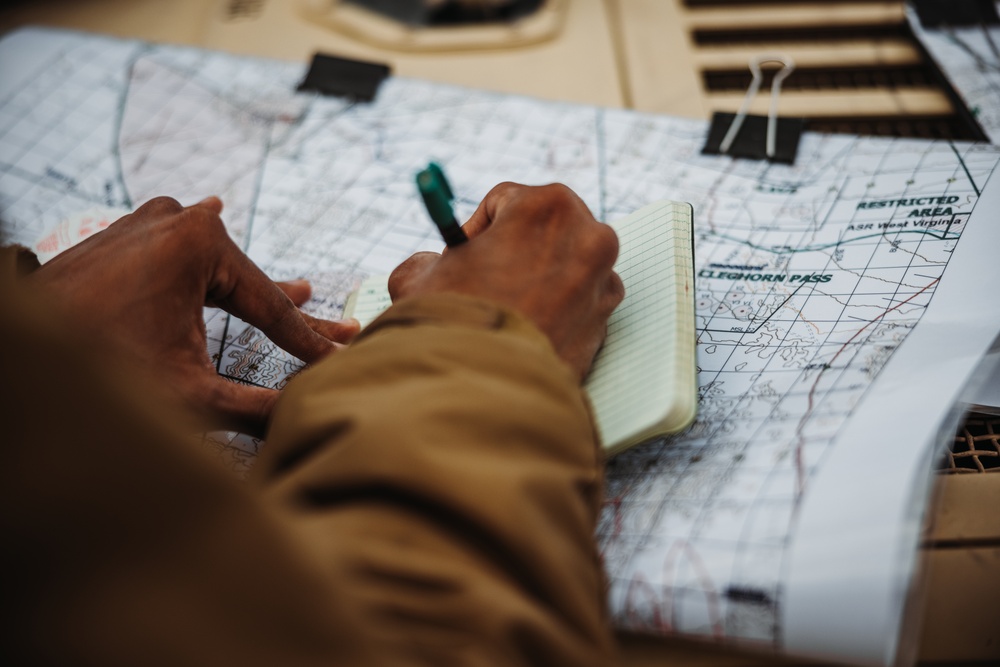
(427, 496)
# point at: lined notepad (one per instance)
(643, 382)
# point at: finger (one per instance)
(582, 358)
(488, 209)
(238, 407)
(613, 295)
(406, 274)
(339, 331)
(240, 288)
(478, 222)
(616, 288)
(213, 204)
(606, 245)
(298, 291)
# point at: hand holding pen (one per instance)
(535, 250)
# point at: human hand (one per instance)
(538, 251)
(143, 282)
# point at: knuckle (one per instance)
(616, 289)
(604, 245)
(562, 206)
(161, 206)
(502, 193)
(401, 280)
(200, 223)
(504, 189)
(397, 281)
(558, 191)
(194, 227)
(558, 196)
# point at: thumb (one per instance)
(238, 407)
(408, 274)
(337, 331)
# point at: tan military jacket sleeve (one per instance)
(427, 496)
(456, 452)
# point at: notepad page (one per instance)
(369, 301)
(643, 380)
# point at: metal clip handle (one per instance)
(788, 66)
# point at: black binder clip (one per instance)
(343, 77)
(952, 14)
(757, 137)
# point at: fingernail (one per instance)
(299, 282)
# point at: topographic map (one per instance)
(784, 508)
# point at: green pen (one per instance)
(437, 196)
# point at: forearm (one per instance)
(446, 468)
